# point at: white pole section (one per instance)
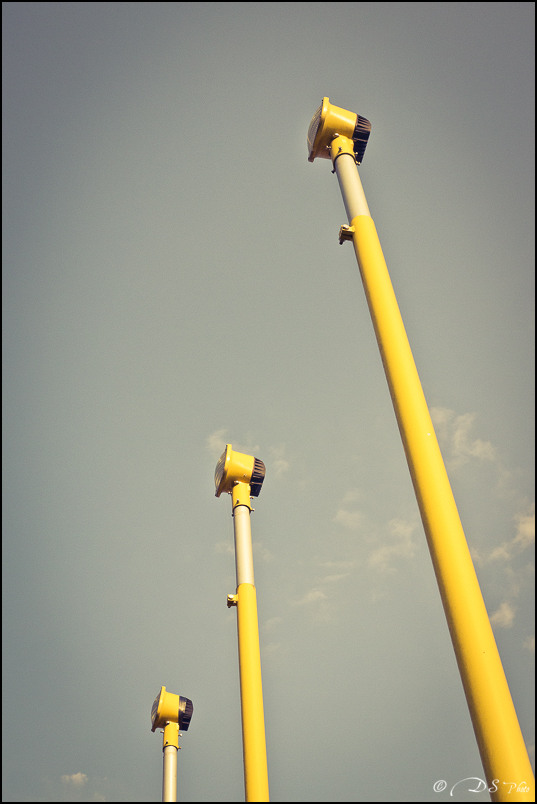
(350, 186)
(169, 776)
(244, 562)
(170, 746)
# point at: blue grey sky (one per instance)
(172, 282)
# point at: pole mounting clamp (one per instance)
(232, 600)
(345, 233)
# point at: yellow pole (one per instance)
(242, 476)
(508, 771)
(253, 719)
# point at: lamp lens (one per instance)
(314, 127)
(219, 471)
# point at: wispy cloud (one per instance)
(393, 541)
(454, 432)
(335, 578)
(348, 514)
(342, 566)
(317, 604)
(312, 596)
(351, 520)
(76, 780)
(513, 566)
(523, 539)
(504, 616)
(279, 462)
(216, 442)
(77, 787)
(401, 545)
(525, 535)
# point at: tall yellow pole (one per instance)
(503, 752)
(242, 476)
(253, 719)
(252, 712)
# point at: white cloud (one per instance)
(529, 644)
(279, 462)
(317, 605)
(335, 578)
(348, 514)
(523, 538)
(504, 616)
(75, 779)
(351, 520)
(501, 553)
(525, 535)
(216, 443)
(402, 546)
(342, 566)
(313, 596)
(454, 436)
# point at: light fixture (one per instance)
(170, 708)
(330, 121)
(235, 467)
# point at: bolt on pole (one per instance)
(242, 476)
(339, 135)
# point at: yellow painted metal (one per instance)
(327, 120)
(240, 494)
(165, 707)
(340, 145)
(171, 735)
(501, 744)
(231, 468)
(253, 718)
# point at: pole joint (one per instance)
(170, 735)
(240, 495)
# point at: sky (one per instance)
(172, 283)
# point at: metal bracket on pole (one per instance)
(345, 233)
(232, 600)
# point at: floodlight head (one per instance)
(235, 467)
(330, 121)
(170, 708)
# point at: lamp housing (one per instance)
(236, 467)
(328, 122)
(170, 708)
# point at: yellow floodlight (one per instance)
(236, 467)
(172, 713)
(169, 707)
(328, 122)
